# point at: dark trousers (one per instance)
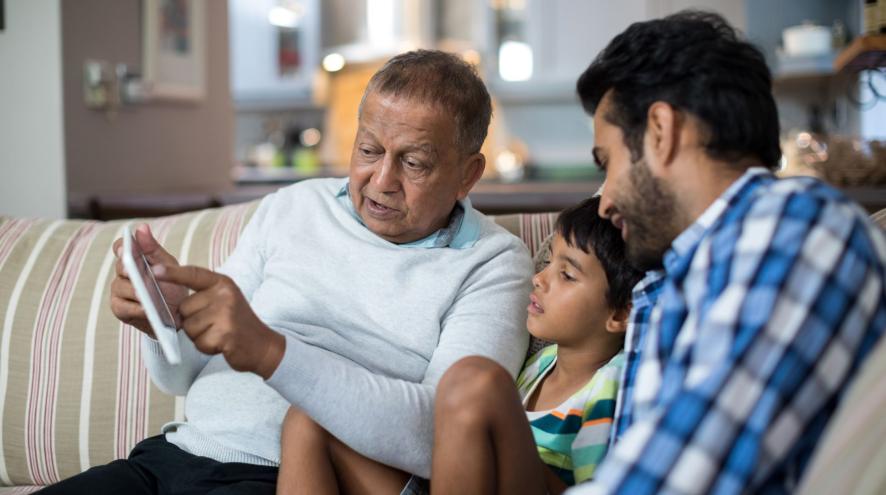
(156, 466)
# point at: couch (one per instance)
(73, 390)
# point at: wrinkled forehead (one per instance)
(395, 114)
(405, 99)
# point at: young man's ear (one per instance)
(662, 139)
(473, 170)
(618, 320)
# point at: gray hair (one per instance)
(443, 79)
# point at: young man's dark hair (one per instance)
(581, 226)
(696, 62)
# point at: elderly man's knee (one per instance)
(472, 384)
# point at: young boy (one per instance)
(542, 436)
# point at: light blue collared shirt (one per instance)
(462, 232)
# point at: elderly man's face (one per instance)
(406, 172)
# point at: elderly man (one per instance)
(346, 298)
(763, 295)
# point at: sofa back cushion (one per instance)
(73, 390)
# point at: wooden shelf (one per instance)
(864, 52)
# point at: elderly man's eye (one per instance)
(413, 165)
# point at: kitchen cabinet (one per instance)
(275, 51)
(562, 37)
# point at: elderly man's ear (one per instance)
(472, 170)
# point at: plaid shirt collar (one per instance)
(689, 238)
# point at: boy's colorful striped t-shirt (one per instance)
(573, 437)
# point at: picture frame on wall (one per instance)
(174, 49)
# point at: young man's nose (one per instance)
(606, 207)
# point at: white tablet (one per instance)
(148, 292)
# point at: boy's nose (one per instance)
(538, 279)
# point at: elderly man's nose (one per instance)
(385, 176)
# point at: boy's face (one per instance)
(568, 302)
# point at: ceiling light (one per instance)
(333, 62)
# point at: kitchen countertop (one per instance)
(487, 196)
(492, 196)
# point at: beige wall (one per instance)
(32, 162)
(154, 147)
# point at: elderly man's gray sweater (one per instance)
(370, 328)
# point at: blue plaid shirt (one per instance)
(644, 297)
(766, 307)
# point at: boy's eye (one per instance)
(566, 276)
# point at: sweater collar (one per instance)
(462, 232)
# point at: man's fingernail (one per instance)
(159, 270)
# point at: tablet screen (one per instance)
(151, 285)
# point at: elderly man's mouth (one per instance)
(377, 209)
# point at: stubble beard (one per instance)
(653, 216)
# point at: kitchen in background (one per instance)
(298, 68)
(273, 86)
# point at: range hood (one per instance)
(371, 30)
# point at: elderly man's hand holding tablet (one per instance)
(151, 298)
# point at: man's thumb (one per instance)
(152, 249)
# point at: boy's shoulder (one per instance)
(543, 357)
(601, 391)
(536, 365)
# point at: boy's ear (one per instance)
(618, 320)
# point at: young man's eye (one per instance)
(601, 164)
(602, 167)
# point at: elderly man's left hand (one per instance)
(219, 320)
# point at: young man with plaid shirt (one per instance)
(762, 295)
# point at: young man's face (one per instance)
(568, 302)
(406, 171)
(641, 206)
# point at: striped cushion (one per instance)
(73, 390)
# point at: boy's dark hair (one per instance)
(697, 63)
(582, 227)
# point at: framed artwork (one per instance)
(174, 49)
